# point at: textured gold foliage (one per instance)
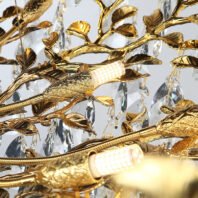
(4, 61)
(77, 120)
(105, 100)
(143, 59)
(53, 38)
(189, 44)
(122, 13)
(26, 59)
(10, 12)
(153, 20)
(185, 61)
(127, 30)
(174, 39)
(79, 28)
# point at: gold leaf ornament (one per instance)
(122, 13)
(4, 193)
(105, 100)
(189, 44)
(44, 24)
(174, 39)
(53, 38)
(2, 32)
(153, 20)
(185, 62)
(77, 120)
(26, 59)
(4, 61)
(143, 59)
(132, 75)
(128, 30)
(25, 127)
(79, 28)
(10, 12)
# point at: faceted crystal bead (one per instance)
(164, 97)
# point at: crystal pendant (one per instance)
(59, 139)
(90, 111)
(166, 8)
(122, 94)
(16, 148)
(63, 41)
(164, 96)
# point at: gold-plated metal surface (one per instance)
(72, 82)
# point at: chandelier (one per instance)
(76, 113)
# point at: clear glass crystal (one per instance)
(164, 96)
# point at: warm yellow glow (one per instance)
(160, 176)
(107, 73)
(115, 160)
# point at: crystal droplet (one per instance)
(157, 48)
(164, 96)
(166, 8)
(144, 49)
(90, 111)
(48, 145)
(122, 94)
(16, 148)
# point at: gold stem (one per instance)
(24, 78)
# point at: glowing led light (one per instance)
(107, 73)
(115, 160)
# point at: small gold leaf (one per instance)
(193, 18)
(24, 127)
(122, 13)
(183, 104)
(10, 12)
(153, 20)
(53, 38)
(166, 109)
(2, 32)
(79, 28)
(27, 59)
(143, 59)
(190, 2)
(44, 24)
(4, 193)
(132, 75)
(78, 121)
(174, 39)
(105, 100)
(4, 61)
(41, 107)
(134, 117)
(127, 30)
(190, 44)
(126, 128)
(185, 61)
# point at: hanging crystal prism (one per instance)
(90, 111)
(64, 40)
(165, 6)
(48, 145)
(122, 92)
(16, 148)
(165, 96)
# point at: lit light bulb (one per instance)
(107, 73)
(115, 160)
